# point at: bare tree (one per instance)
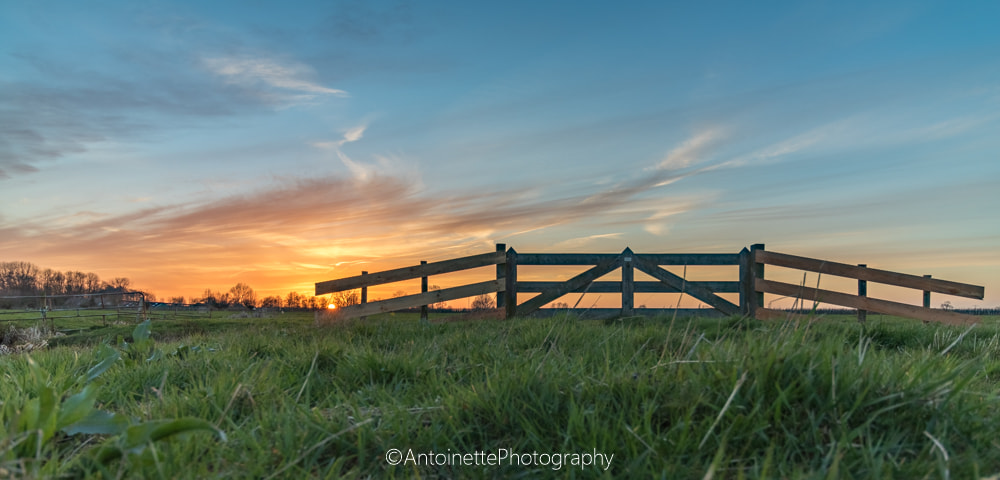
(53, 282)
(93, 283)
(119, 284)
(273, 301)
(296, 300)
(242, 294)
(483, 302)
(346, 299)
(19, 278)
(317, 303)
(215, 299)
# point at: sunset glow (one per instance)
(188, 148)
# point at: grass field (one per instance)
(282, 398)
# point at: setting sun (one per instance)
(331, 306)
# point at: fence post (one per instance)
(510, 292)
(927, 296)
(501, 273)
(628, 283)
(364, 294)
(746, 283)
(756, 271)
(862, 292)
(423, 289)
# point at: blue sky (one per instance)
(194, 145)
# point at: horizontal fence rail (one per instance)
(639, 287)
(421, 299)
(678, 259)
(409, 273)
(870, 274)
(422, 271)
(861, 301)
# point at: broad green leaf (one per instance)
(108, 357)
(98, 422)
(183, 425)
(137, 437)
(141, 332)
(76, 407)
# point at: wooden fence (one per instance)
(750, 285)
(421, 271)
(861, 301)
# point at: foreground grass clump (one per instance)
(674, 399)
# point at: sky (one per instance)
(194, 145)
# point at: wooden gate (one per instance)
(628, 262)
(750, 285)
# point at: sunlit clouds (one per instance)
(310, 229)
(197, 145)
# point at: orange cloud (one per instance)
(288, 236)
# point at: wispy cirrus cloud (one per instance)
(352, 134)
(63, 109)
(360, 170)
(574, 243)
(283, 81)
(692, 151)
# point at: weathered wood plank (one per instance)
(408, 273)
(865, 303)
(757, 299)
(564, 258)
(413, 301)
(501, 271)
(682, 285)
(628, 283)
(746, 282)
(870, 274)
(663, 314)
(510, 277)
(693, 259)
(659, 258)
(423, 289)
(640, 287)
(862, 292)
(601, 269)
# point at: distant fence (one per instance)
(106, 306)
(750, 284)
(103, 305)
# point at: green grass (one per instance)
(733, 398)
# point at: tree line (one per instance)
(242, 295)
(20, 278)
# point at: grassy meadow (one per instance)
(280, 397)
